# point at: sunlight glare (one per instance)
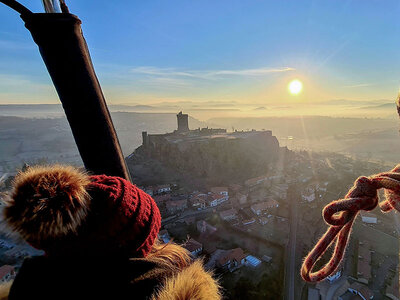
(295, 87)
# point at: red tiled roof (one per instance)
(265, 205)
(214, 196)
(219, 189)
(234, 254)
(198, 198)
(6, 269)
(192, 245)
(362, 289)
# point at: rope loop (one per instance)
(341, 214)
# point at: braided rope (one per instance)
(340, 215)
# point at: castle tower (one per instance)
(145, 139)
(183, 123)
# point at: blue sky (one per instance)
(224, 51)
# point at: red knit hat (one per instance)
(62, 210)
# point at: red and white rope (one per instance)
(340, 215)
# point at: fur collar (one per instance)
(5, 290)
(192, 283)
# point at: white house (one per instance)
(334, 277)
(216, 199)
(166, 188)
(369, 218)
(308, 195)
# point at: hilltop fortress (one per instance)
(212, 154)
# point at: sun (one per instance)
(295, 87)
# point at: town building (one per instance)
(241, 198)
(216, 199)
(194, 247)
(392, 290)
(266, 258)
(260, 208)
(149, 190)
(309, 195)
(174, 206)
(232, 260)
(358, 289)
(204, 227)
(364, 263)
(165, 188)
(228, 215)
(369, 218)
(7, 273)
(198, 200)
(248, 221)
(333, 277)
(252, 261)
(220, 190)
(183, 122)
(164, 236)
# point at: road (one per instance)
(290, 271)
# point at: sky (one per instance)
(223, 54)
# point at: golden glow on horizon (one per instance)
(295, 87)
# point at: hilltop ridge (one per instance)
(206, 154)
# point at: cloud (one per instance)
(359, 85)
(208, 74)
(166, 81)
(260, 108)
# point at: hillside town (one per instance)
(253, 233)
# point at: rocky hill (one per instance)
(213, 159)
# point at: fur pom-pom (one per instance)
(47, 202)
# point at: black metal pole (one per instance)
(66, 55)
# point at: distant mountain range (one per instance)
(354, 102)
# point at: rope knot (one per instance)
(340, 215)
(363, 187)
(362, 196)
